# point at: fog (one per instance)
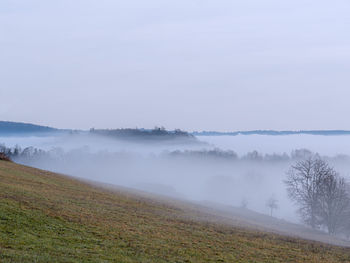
(68, 142)
(207, 179)
(188, 170)
(325, 145)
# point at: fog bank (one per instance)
(192, 171)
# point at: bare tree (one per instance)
(345, 225)
(320, 193)
(304, 187)
(334, 203)
(244, 203)
(272, 203)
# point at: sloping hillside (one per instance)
(45, 217)
(15, 128)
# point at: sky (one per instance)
(192, 64)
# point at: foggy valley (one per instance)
(224, 170)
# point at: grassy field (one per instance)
(45, 217)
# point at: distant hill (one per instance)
(12, 128)
(272, 132)
(156, 134)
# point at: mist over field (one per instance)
(228, 170)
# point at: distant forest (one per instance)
(32, 154)
(272, 132)
(158, 133)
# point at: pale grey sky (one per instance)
(196, 65)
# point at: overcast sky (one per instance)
(196, 65)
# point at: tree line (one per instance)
(158, 133)
(298, 154)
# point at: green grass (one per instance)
(45, 217)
